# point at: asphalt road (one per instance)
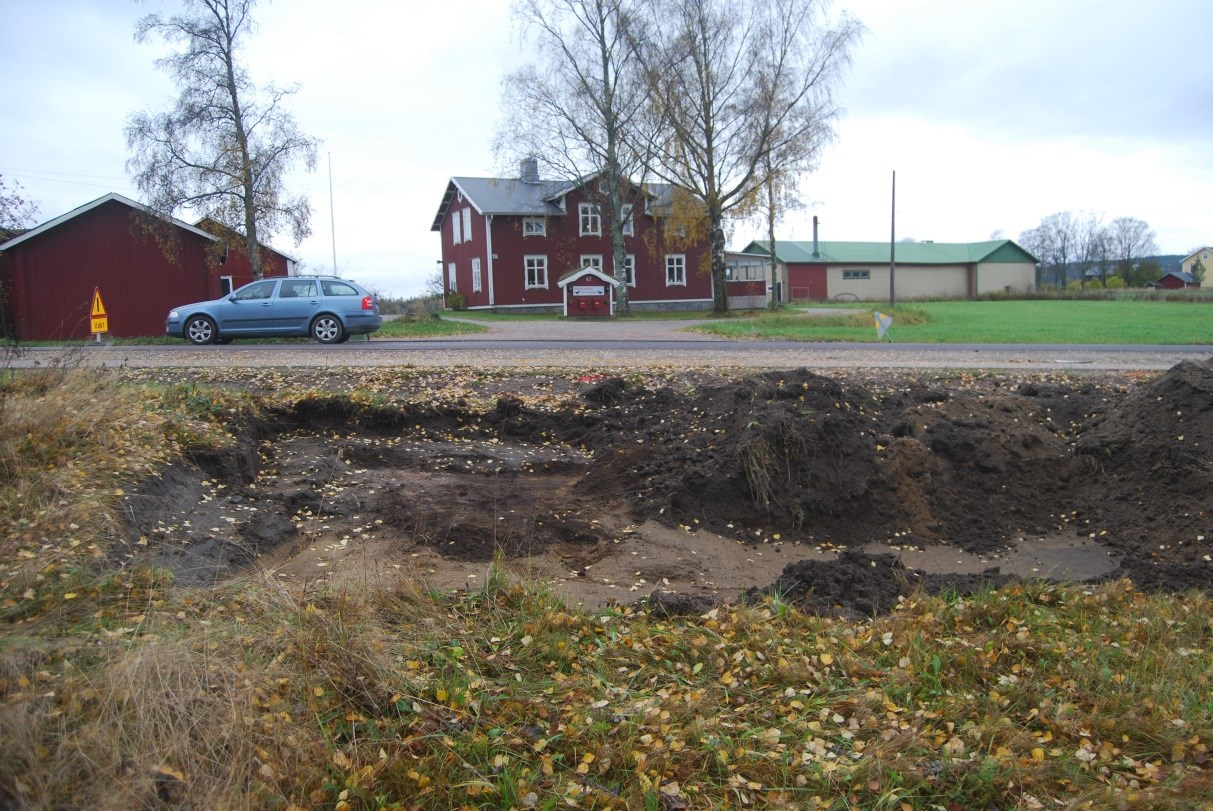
(509, 350)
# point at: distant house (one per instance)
(1204, 256)
(48, 273)
(507, 242)
(1175, 280)
(826, 270)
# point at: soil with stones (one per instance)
(838, 493)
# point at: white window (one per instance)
(536, 271)
(451, 273)
(225, 286)
(467, 225)
(591, 220)
(629, 269)
(476, 275)
(745, 273)
(857, 274)
(628, 228)
(675, 269)
(456, 231)
(534, 227)
(592, 260)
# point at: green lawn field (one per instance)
(1028, 322)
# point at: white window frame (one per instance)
(467, 225)
(539, 264)
(629, 269)
(589, 220)
(625, 214)
(456, 231)
(676, 261)
(231, 285)
(534, 226)
(476, 275)
(592, 260)
(453, 279)
(856, 274)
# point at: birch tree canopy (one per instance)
(741, 89)
(224, 147)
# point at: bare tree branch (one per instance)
(740, 90)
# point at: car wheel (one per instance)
(327, 329)
(200, 330)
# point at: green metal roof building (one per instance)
(824, 270)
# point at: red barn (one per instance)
(1177, 280)
(507, 241)
(48, 274)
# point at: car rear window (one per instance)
(339, 289)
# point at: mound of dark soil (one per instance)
(856, 585)
(1151, 468)
(799, 452)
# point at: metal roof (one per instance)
(1182, 275)
(493, 195)
(76, 212)
(908, 253)
(513, 196)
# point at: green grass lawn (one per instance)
(1028, 322)
(424, 327)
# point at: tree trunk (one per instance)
(720, 290)
(771, 299)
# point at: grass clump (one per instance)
(425, 326)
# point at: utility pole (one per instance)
(332, 216)
(893, 241)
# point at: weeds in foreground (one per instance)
(1028, 697)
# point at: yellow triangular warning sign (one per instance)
(98, 307)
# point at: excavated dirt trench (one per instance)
(698, 493)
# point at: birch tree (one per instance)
(737, 85)
(224, 147)
(16, 210)
(1132, 240)
(577, 108)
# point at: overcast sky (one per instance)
(993, 114)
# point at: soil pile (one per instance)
(767, 464)
(1152, 468)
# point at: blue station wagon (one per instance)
(325, 307)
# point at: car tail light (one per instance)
(368, 303)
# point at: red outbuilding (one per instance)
(506, 242)
(48, 274)
(1177, 280)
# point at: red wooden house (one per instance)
(48, 274)
(1176, 280)
(507, 242)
